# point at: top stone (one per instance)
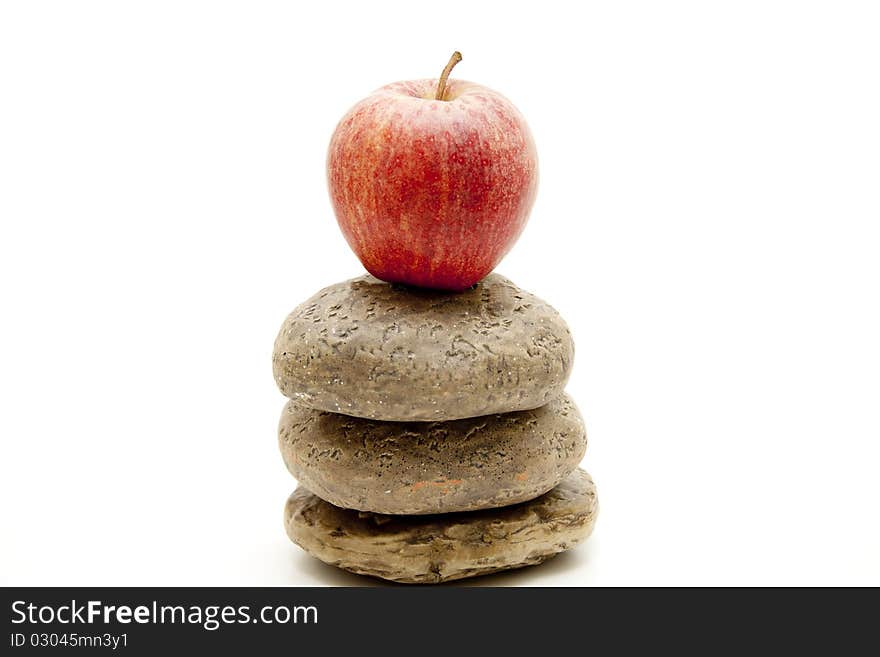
(387, 352)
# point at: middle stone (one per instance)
(432, 467)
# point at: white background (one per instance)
(708, 222)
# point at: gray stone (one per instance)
(372, 349)
(438, 548)
(432, 467)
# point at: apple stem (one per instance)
(441, 85)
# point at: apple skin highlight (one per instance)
(432, 193)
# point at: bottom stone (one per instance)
(439, 548)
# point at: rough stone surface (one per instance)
(372, 349)
(438, 548)
(432, 467)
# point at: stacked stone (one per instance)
(429, 431)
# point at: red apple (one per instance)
(432, 192)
